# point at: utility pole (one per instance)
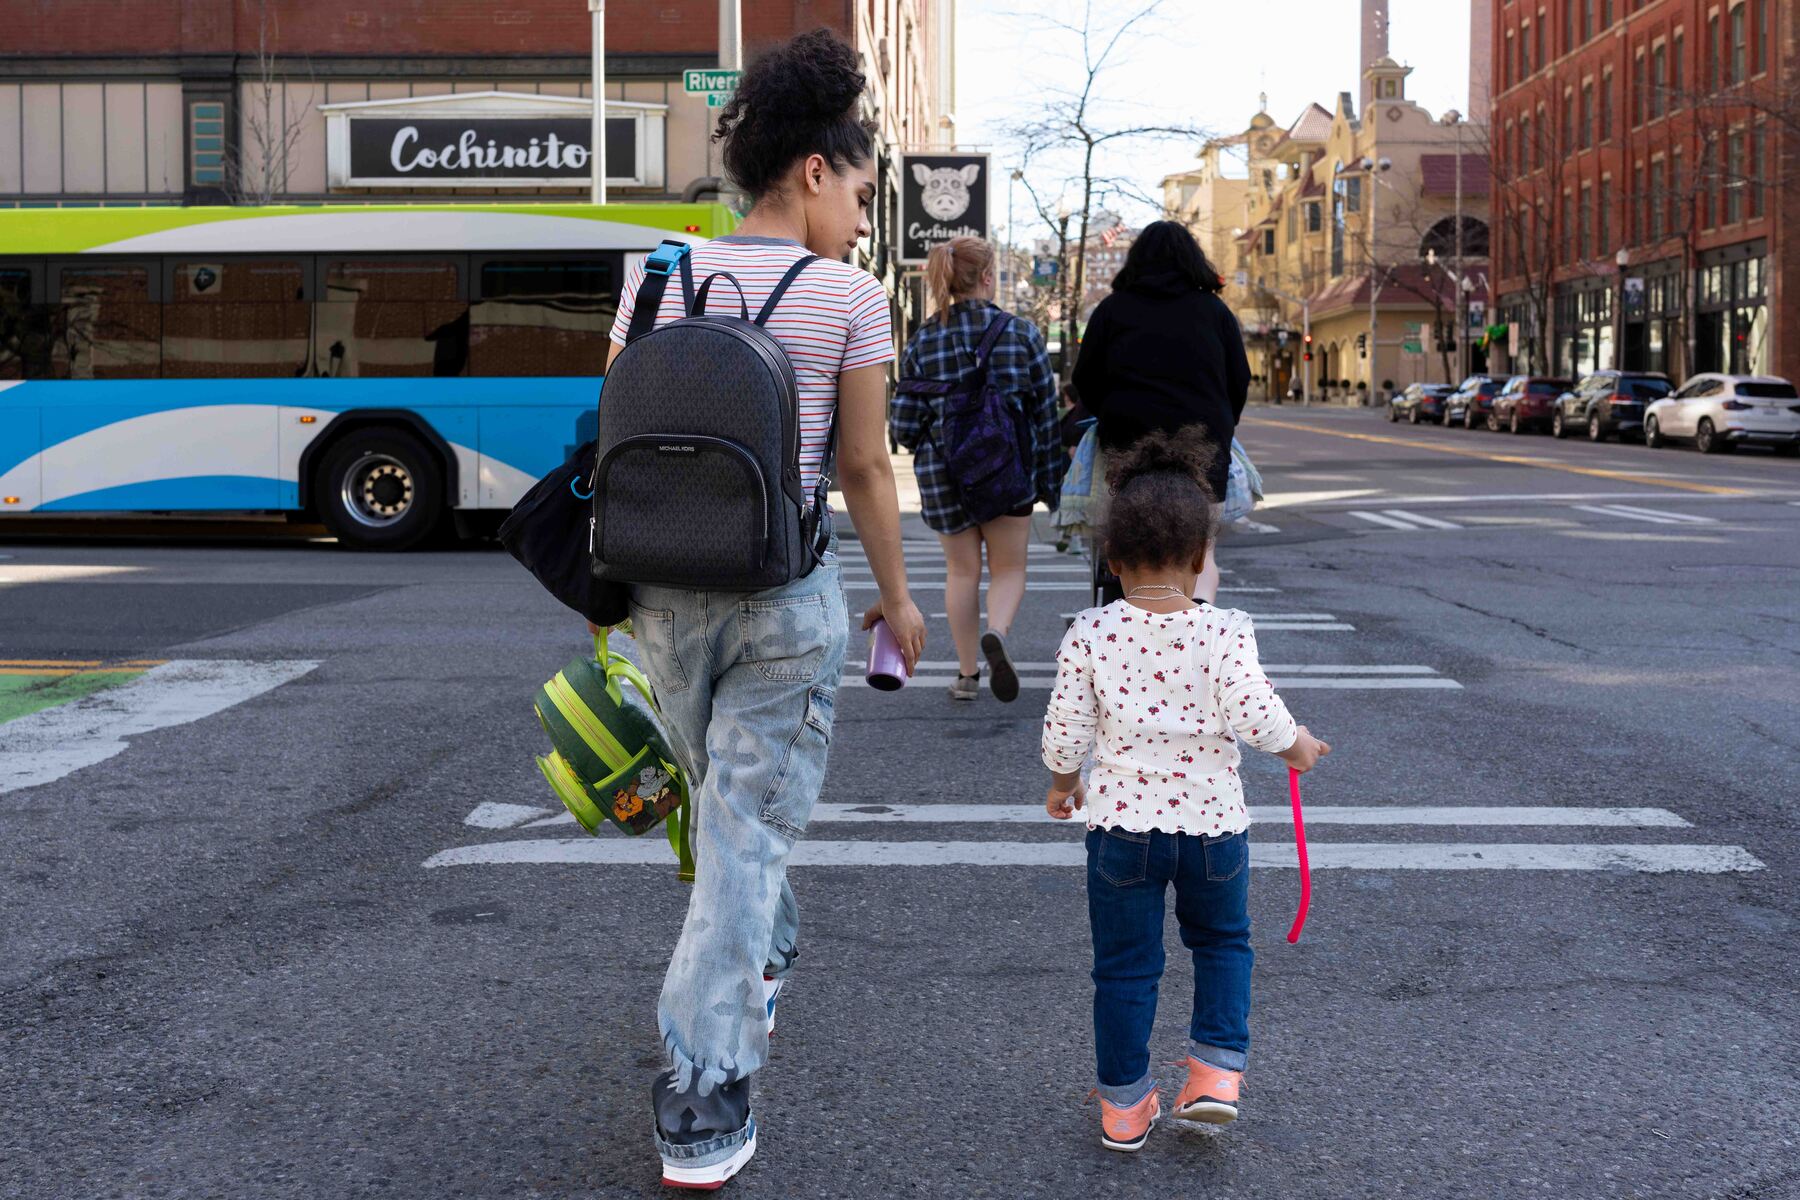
(597, 133)
(731, 35)
(1462, 319)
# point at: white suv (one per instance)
(1720, 412)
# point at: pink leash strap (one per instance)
(1300, 846)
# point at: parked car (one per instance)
(1608, 402)
(1420, 402)
(1722, 412)
(1470, 401)
(1525, 403)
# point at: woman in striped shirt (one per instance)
(747, 683)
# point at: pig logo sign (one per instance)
(942, 196)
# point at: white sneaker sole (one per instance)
(708, 1178)
(1208, 1112)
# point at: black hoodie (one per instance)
(1162, 356)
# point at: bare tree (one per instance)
(257, 166)
(1529, 165)
(1073, 122)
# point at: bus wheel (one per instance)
(380, 489)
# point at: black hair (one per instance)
(1161, 512)
(797, 99)
(1164, 247)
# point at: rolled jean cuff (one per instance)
(703, 1154)
(1127, 1094)
(1216, 1056)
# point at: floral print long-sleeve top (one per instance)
(1162, 701)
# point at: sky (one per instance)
(1196, 63)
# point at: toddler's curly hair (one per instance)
(1162, 509)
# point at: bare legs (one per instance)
(1008, 541)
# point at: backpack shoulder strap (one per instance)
(781, 288)
(991, 338)
(662, 262)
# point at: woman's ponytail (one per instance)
(953, 270)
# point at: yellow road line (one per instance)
(1518, 460)
(50, 662)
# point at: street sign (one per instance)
(694, 82)
(1477, 314)
(718, 99)
(1411, 343)
(1242, 279)
(942, 196)
(1045, 268)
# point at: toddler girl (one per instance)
(1161, 689)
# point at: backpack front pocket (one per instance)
(682, 510)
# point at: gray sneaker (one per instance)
(966, 687)
(703, 1140)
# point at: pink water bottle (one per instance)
(887, 666)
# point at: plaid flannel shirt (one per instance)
(944, 349)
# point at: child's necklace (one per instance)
(1135, 593)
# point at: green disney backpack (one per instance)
(609, 759)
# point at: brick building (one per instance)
(1637, 145)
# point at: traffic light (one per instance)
(1362, 344)
(1308, 355)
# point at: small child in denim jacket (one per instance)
(1161, 688)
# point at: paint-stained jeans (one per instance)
(747, 684)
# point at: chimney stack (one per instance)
(1374, 43)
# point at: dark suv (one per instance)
(1608, 402)
(1525, 403)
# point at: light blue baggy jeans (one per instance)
(747, 683)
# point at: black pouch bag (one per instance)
(550, 532)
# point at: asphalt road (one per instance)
(281, 949)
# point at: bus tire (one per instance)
(380, 489)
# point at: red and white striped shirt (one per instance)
(833, 319)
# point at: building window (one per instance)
(1657, 196)
(1678, 71)
(1677, 217)
(1269, 241)
(1565, 227)
(1587, 19)
(1606, 14)
(1353, 195)
(1638, 88)
(1587, 114)
(1603, 216)
(1339, 206)
(1568, 30)
(1739, 45)
(1640, 201)
(1315, 220)
(1606, 106)
(1762, 35)
(1712, 52)
(206, 142)
(1737, 175)
(1525, 51)
(1759, 166)
(1509, 63)
(1659, 80)
(1537, 51)
(1585, 229)
(1568, 121)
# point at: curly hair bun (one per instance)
(1187, 452)
(796, 99)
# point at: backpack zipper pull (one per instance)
(590, 535)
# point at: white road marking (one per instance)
(524, 816)
(1361, 683)
(1327, 856)
(1632, 512)
(44, 746)
(1041, 666)
(1254, 526)
(1399, 518)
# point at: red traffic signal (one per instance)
(1307, 356)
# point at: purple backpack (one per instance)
(982, 436)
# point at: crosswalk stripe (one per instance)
(1375, 518)
(1361, 683)
(1654, 515)
(1326, 856)
(516, 816)
(1418, 518)
(44, 746)
(1332, 669)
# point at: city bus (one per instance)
(379, 369)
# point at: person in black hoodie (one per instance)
(1163, 353)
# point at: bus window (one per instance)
(20, 334)
(391, 316)
(110, 326)
(542, 316)
(236, 319)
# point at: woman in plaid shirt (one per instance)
(960, 276)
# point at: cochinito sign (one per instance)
(942, 196)
(489, 138)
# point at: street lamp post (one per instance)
(1623, 259)
(1011, 272)
(597, 133)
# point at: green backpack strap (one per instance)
(679, 825)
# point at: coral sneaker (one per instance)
(1128, 1128)
(1210, 1095)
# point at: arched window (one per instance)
(1441, 237)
